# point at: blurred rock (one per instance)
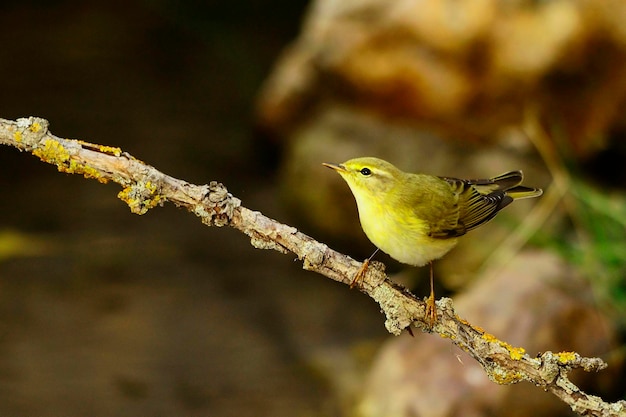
(463, 68)
(536, 302)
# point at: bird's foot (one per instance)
(431, 310)
(360, 275)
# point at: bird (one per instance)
(418, 218)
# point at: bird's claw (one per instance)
(431, 311)
(360, 275)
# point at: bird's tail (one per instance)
(523, 192)
(510, 183)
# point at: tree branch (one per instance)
(144, 187)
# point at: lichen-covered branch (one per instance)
(144, 187)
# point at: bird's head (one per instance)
(368, 176)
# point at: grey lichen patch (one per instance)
(313, 254)
(265, 243)
(549, 369)
(30, 131)
(396, 316)
(201, 211)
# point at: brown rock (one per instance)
(536, 302)
(465, 69)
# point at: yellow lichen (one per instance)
(566, 357)
(88, 172)
(17, 136)
(52, 152)
(126, 195)
(109, 150)
(141, 197)
(490, 338)
(505, 377)
(463, 321)
(447, 336)
(477, 328)
(516, 353)
(35, 127)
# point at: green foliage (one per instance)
(599, 249)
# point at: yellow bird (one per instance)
(417, 218)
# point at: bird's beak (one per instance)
(336, 167)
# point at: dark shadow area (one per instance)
(105, 313)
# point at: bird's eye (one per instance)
(365, 171)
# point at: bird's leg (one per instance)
(431, 309)
(360, 275)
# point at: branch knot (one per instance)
(218, 205)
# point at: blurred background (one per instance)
(107, 313)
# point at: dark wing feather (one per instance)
(480, 208)
(502, 182)
(479, 201)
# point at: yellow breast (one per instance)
(401, 235)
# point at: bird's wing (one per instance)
(479, 208)
(481, 200)
(435, 202)
(452, 206)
